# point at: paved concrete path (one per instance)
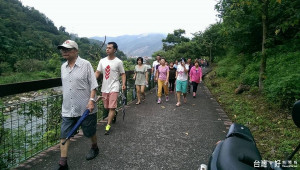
(153, 136)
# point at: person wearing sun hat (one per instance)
(79, 93)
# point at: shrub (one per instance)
(29, 65)
(250, 75)
(5, 68)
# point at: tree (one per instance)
(173, 39)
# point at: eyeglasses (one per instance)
(66, 49)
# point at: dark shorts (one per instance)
(88, 126)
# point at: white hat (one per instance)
(68, 44)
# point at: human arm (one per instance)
(184, 67)
(92, 101)
(123, 81)
(156, 74)
(92, 79)
(168, 73)
(200, 72)
(97, 74)
(191, 75)
(134, 76)
(146, 76)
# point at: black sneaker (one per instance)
(92, 154)
(60, 167)
(115, 118)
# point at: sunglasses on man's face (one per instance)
(66, 49)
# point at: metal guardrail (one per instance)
(27, 128)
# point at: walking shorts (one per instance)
(88, 125)
(181, 86)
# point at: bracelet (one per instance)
(92, 99)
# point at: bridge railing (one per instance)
(27, 128)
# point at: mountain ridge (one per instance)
(137, 45)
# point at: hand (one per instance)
(166, 82)
(190, 81)
(90, 106)
(123, 87)
(146, 82)
(133, 78)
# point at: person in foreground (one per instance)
(111, 67)
(79, 93)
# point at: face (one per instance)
(69, 53)
(110, 49)
(140, 61)
(157, 57)
(171, 64)
(189, 60)
(176, 62)
(196, 64)
(162, 61)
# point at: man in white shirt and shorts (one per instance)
(111, 67)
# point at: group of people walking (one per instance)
(179, 76)
(79, 83)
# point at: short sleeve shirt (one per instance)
(155, 63)
(182, 76)
(140, 78)
(163, 72)
(111, 70)
(77, 84)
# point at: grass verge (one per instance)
(273, 129)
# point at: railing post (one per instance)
(125, 91)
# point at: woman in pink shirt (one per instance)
(162, 77)
(195, 76)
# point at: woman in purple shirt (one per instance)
(195, 76)
(162, 77)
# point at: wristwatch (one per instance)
(92, 99)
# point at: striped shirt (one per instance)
(77, 84)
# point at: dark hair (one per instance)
(182, 59)
(163, 58)
(114, 45)
(196, 61)
(139, 58)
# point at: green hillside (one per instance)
(28, 41)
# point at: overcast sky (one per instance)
(89, 18)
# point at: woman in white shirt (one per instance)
(181, 80)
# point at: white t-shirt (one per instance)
(111, 70)
(155, 63)
(182, 76)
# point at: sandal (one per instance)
(138, 103)
(177, 104)
(184, 100)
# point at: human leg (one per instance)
(89, 126)
(138, 93)
(178, 91)
(66, 126)
(159, 93)
(195, 85)
(143, 92)
(112, 105)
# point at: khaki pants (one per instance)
(161, 84)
